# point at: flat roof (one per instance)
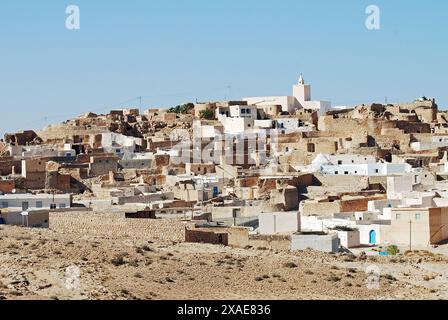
(16, 196)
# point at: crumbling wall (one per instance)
(22, 138)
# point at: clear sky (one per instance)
(175, 51)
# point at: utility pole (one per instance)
(140, 108)
(228, 92)
(53, 206)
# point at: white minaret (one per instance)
(302, 91)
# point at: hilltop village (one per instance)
(284, 171)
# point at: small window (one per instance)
(346, 173)
(340, 162)
(5, 205)
(62, 206)
(39, 204)
(377, 171)
(418, 216)
(336, 172)
(243, 111)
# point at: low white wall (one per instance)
(279, 222)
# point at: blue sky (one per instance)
(174, 51)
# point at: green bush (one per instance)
(206, 114)
(181, 109)
(393, 250)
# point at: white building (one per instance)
(349, 238)
(119, 144)
(201, 129)
(288, 103)
(369, 231)
(41, 151)
(301, 98)
(339, 159)
(367, 169)
(435, 143)
(29, 202)
(237, 118)
(279, 222)
(397, 186)
(355, 165)
(291, 125)
(237, 111)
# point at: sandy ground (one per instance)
(47, 264)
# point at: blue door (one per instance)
(372, 238)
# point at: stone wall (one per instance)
(235, 237)
(116, 225)
(6, 165)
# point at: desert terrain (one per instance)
(76, 259)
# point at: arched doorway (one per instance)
(372, 237)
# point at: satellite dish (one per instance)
(13, 190)
(161, 206)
